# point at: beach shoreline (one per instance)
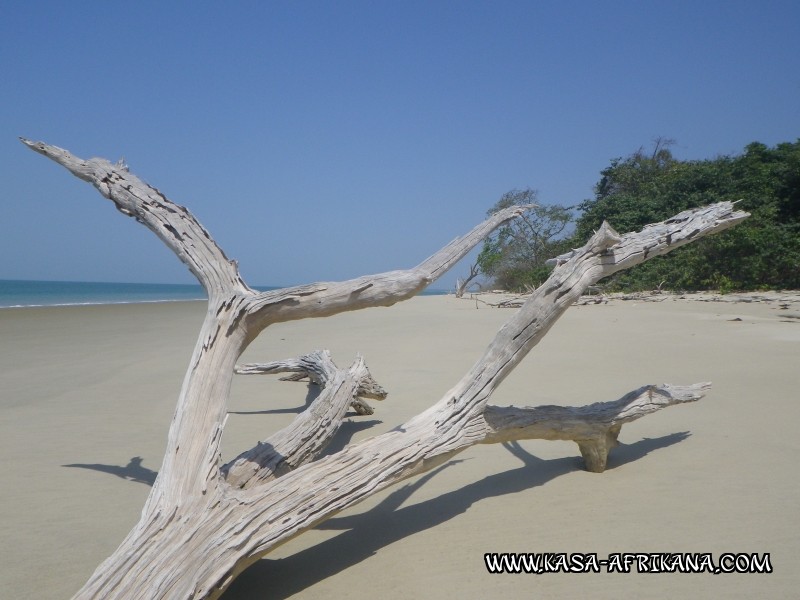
(504, 299)
(88, 390)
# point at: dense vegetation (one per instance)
(514, 256)
(761, 253)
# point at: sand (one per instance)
(96, 386)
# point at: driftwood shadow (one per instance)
(133, 471)
(366, 533)
(312, 392)
(345, 434)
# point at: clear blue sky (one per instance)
(324, 140)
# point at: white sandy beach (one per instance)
(96, 386)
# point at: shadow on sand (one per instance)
(312, 392)
(133, 471)
(366, 533)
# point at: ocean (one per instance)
(19, 293)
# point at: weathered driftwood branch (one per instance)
(594, 427)
(313, 429)
(659, 238)
(198, 530)
(319, 368)
(172, 223)
(385, 289)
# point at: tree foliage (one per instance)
(649, 186)
(763, 252)
(514, 256)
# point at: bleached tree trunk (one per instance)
(205, 522)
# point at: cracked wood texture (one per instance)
(199, 529)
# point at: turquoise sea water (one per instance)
(58, 293)
(17, 293)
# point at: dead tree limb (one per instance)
(198, 529)
(594, 427)
(314, 428)
(463, 284)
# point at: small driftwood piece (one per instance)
(311, 430)
(205, 522)
(594, 427)
(319, 368)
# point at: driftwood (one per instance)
(205, 522)
(311, 431)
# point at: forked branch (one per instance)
(183, 234)
(237, 314)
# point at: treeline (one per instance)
(763, 252)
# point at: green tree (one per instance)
(514, 256)
(763, 252)
(630, 193)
